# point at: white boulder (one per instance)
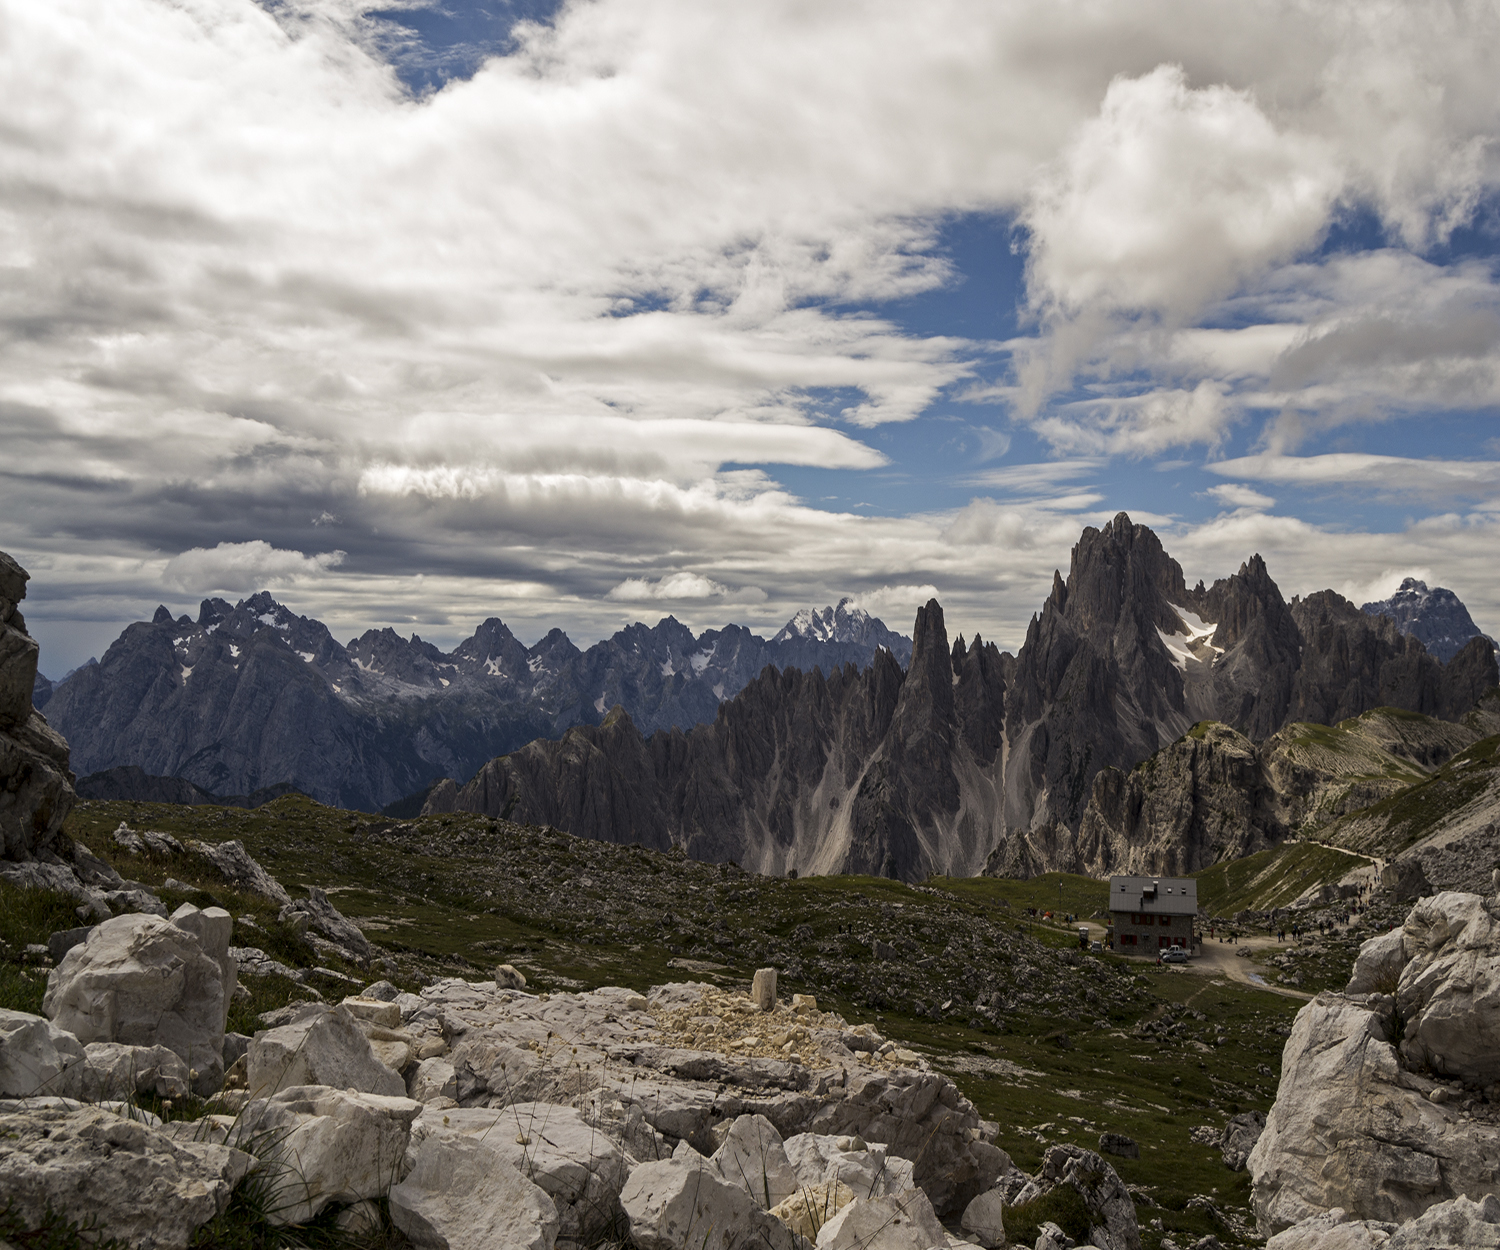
(432, 1079)
(897, 1222)
(144, 981)
(752, 1156)
(1449, 992)
(213, 927)
(870, 1171)
(578, 1167)
(133, 1182)
(461, 1195)
(38, 1057)
(323, 1046)
(1377, 967)
(327, 1145)
(679, 1203)
(1351, 1129)
(116, 1071)
(1459, 1224)
(985, 1218)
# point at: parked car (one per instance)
(1096, 947)
(1174, 955)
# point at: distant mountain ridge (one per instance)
(1437, 617)
(252, 695)
(973, 757)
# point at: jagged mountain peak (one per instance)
(1435, 616)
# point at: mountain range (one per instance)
(972, 758)
(253, 696)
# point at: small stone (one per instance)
(508, 977)
(763, 989)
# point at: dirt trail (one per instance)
(1218, 959)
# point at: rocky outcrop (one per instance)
(248, 697)
(36, 787)
(1437, 618)
(1203, 799)
(1111, 1209)
(1369, 1116)
(1214, 795)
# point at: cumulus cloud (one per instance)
(896, 604)
(244, 567)
(676, 586)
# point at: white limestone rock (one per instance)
(898, 1222)
(213, 926)
(324, 1046)
(870, 1171)
(327, 1145)
(675, 1204)
(1111, 1208)
(752, 1156)
(374, 1011)
(144, 981)
(136, 1183)
(333, 924)
(1351, 1129)
(432, 1078)
(116, 1071)
(1449, 993)
(38, 1057)
(237, 867)
(812, 1206)
(1377, 967)
(461, 1195)
(1458, 1224)
(578, 1167)
(985, 1218)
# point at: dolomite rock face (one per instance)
(138, 1184)
(143, 981)
(36, 788)
(1362, 1126)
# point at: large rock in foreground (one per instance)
(323, 1046)
(1379, 1131)
(144, 981)
(129, 1180)
(462, 1195)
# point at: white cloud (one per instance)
(1238, 495)
(1170, 197)
(244, 567)
(680, 586)
(897, 605)
(1396, 475)
(546, 329)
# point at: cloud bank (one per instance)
(626, 309)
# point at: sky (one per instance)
(585, 313)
